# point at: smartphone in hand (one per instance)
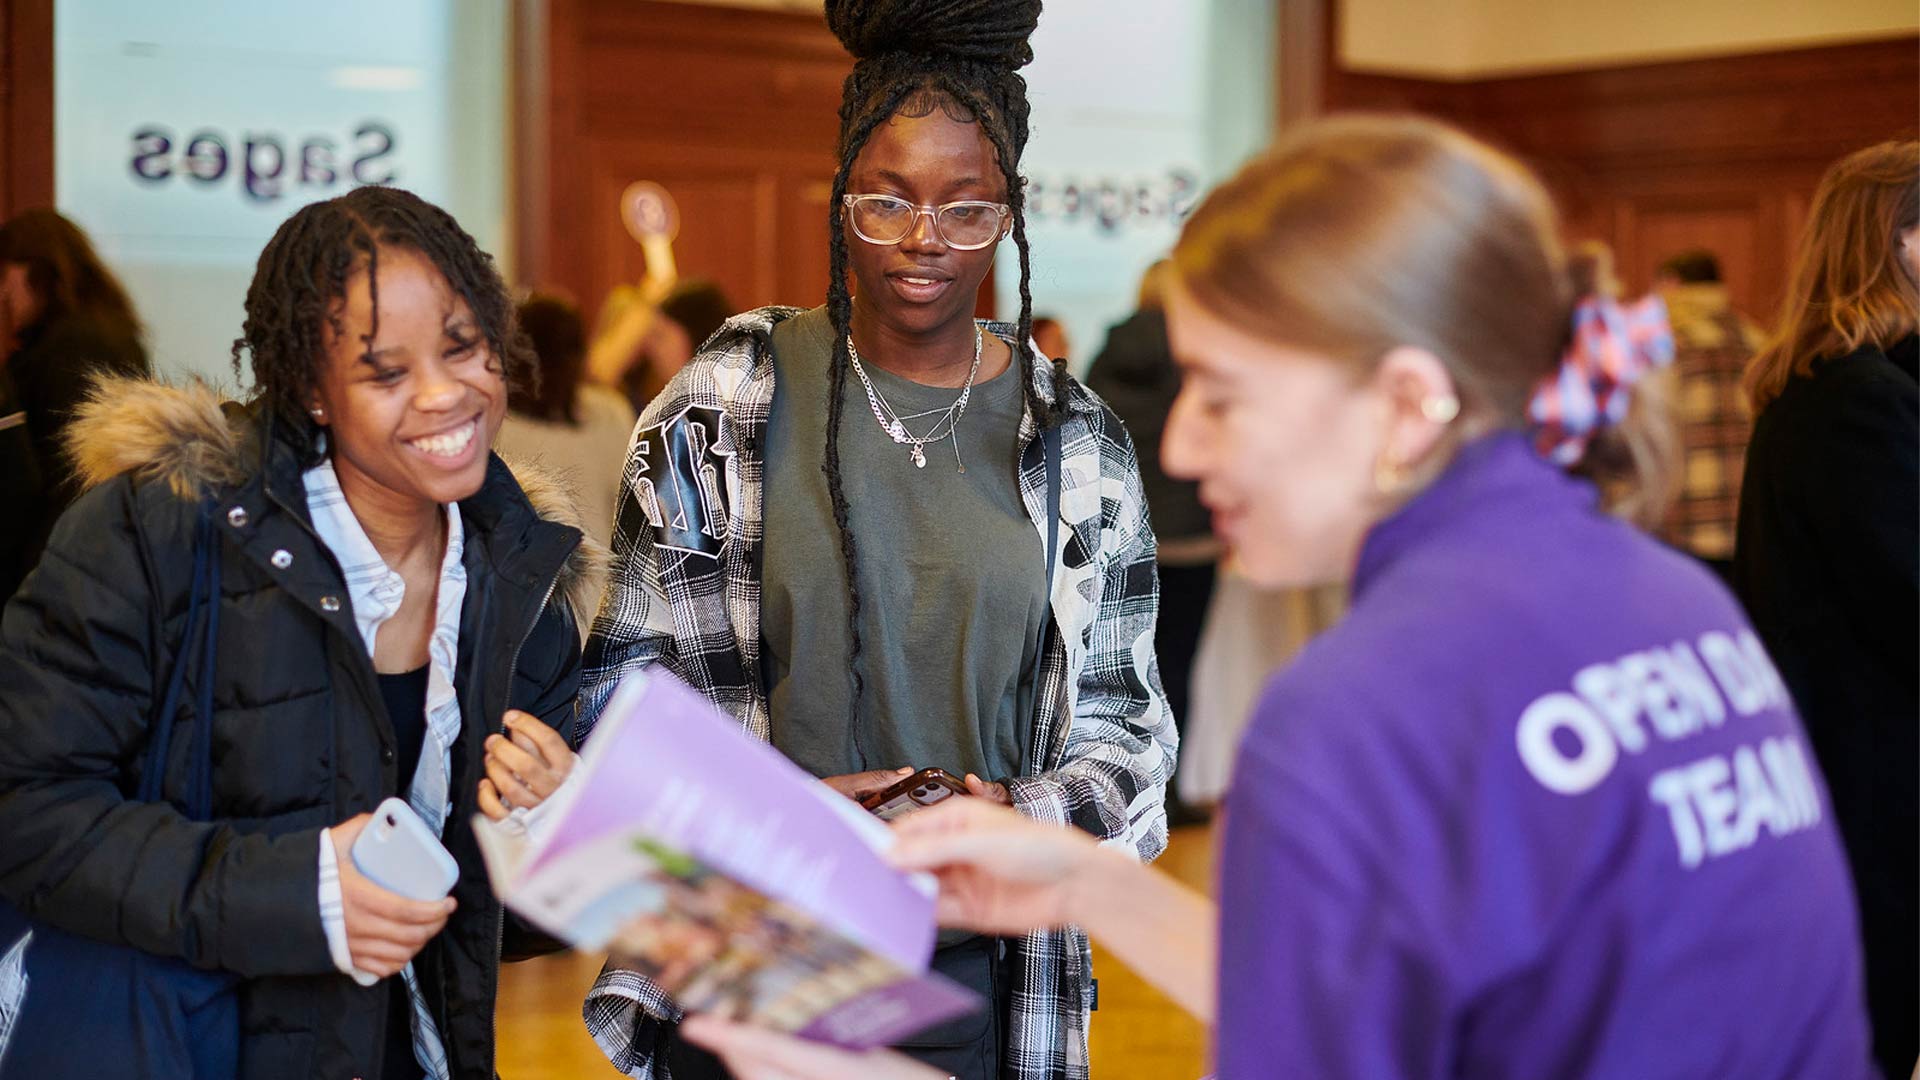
(397, 852)
(917, 792)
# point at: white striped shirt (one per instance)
(375, 591)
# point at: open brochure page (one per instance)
(736, 882)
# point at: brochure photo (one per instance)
(738, 883)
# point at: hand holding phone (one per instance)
(397, 852)
(928, 787)
(386, 927)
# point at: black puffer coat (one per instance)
(300, 735)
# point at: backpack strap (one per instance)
(205, 592)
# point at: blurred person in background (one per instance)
(1500, 821)
(568, 425)
(1828, 553)
(694, 310)
(863, 564)
(378, 568)
(71, 321)
(1590, 270)
(647, 333)
(1136, 376)
(21, 490)
(1050, 337)
(1712, 345)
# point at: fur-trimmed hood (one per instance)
(194, 440)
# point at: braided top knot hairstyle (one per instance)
(300, 285)
(912, 57)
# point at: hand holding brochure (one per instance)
(732, 879)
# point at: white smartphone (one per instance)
(397, 852)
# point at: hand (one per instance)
(989, 790)
(999, 873)
(524, 766)
(857, 786)
(758, 1054)
(384, 929)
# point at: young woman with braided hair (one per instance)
(836, 523)
(1539, 805)
(375, 567)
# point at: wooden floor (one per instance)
(1137, 1034)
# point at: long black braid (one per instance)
(914, 56)
(295, 299)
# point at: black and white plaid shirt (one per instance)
(684, 592)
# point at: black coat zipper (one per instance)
(499, 906)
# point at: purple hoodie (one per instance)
(1539, 807)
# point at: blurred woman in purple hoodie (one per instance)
(1540, 806)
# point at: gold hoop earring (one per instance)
(1389, 477)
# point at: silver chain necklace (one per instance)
(891, 422)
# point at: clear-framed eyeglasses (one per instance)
(963, 226)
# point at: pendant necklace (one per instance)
(894, 424)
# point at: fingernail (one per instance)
(903, 770)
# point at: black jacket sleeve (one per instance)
(549, 673)
(548, 680)
(80, 647)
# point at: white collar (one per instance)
(376, 590)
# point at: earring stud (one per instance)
(1440, 408)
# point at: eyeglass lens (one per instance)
(888, 221)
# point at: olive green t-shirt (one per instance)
(952, 586)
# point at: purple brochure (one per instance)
(707, 861)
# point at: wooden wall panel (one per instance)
(1646, 231)
(1721, 153)
(726, 206)
(801, 208)
(26, 105)
(735, 112)
(26, 113)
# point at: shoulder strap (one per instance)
(200, 803)
(205, 591)
(1051, 448)
(1050, 440)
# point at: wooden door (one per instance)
(734, 112)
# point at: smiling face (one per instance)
(413, 425)
(919, 286)
(1283, 444)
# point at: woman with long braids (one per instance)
(835, 524)
(1539, 805)
(391, 614)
